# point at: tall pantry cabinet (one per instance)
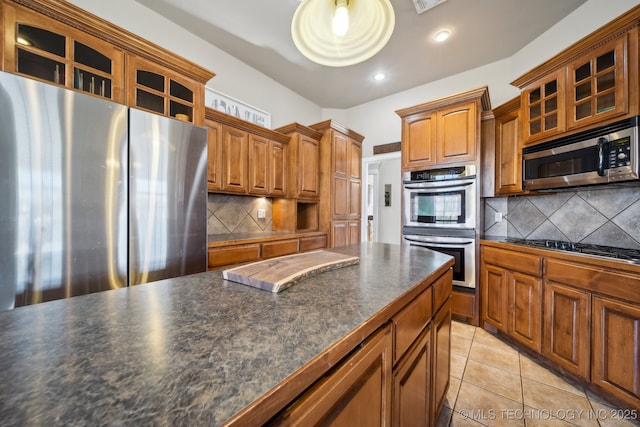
(341, 179)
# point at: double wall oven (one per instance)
(439, 212)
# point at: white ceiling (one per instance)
(257, 32)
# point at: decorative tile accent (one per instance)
(550, 203)
(238, 214)
(577, 219)
(629, 220)
(525, 217)
(607, 216)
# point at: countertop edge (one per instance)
(269, 404)
(263, 238)
(565, 255)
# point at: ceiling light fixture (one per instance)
(441, 35)
(337, 33)
(379, 76)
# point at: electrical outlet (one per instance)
(261, 214)
(498, 217)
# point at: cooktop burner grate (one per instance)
(630, 255)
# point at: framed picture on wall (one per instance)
(221, 102)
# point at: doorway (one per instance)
(381, 216)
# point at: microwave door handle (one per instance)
(602, 145)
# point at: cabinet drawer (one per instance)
(235, 255)
(284, 247)
(442, 289)
(512, 260)
(410, 321)
(311, 243)
(606, 281)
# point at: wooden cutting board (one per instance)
(278, 274)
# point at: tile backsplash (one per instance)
(607, 216)
(238, 214)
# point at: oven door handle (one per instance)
(438, 244)
(432, 186)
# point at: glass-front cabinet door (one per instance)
(155, 88)
(48, 50)
(597, 85)
(543, 107)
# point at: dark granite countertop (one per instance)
(194, 350)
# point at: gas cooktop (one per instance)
(629, 255)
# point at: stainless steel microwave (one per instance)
(604, 155)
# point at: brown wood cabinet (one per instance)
(412, 385)
(59, 43)
(567, 327)
(591, 83)
(419, 130)
(341, 180)
(543, 107)
(48, 50)
(458, 133)
(259, 164)
(444, 131)
(511, 288)
(304, 156)
(590, 307)
(357, 393)
(245, 158)
(155, 88)
(495, 296)
(229, 253)
(399, 376)
(616, 340)
(508, 149)
(441, 369)
(214, 155)
(268, 167)
(597, 85)
(235, 160)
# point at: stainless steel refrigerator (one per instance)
(94, 195)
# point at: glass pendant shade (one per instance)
(370, 25)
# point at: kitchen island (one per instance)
(199, 350)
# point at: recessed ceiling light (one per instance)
(441, 35)
(379, 76)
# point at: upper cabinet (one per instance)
(508, 149)
(245, 158)
(42, 48)
(155, 88)
(304, 158)
(57, 42)
(591, 83)
(597, 85)
(544, 107)
(444, 131)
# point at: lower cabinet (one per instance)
(441, 359)
(511, 288)
(412, 385)
(616, 348)
(358, 393)
(345, 233)
(399, 376)
(588, 313)
(567, 329)
(228, 255)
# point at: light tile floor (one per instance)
(492, 384)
